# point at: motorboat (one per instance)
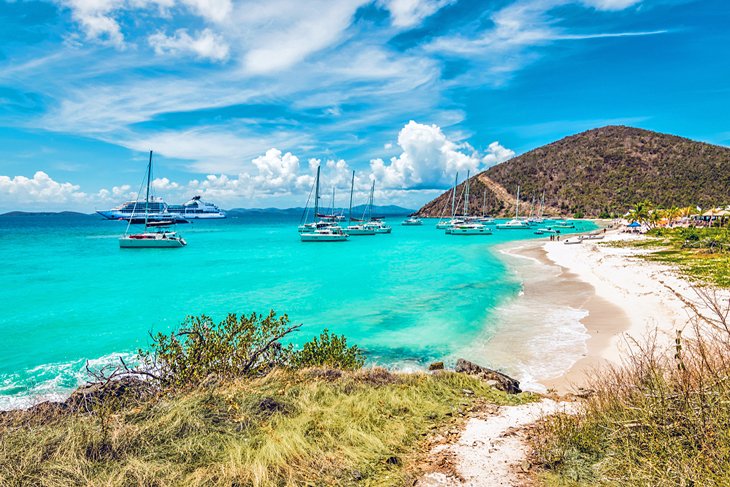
(514, 224)
(412, 222)
(469, 229)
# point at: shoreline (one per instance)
(622, 298)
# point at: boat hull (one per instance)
(151, 243)
(468, 231)
(309, 237)
(358, 232)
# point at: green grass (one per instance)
(310, 427)
(702, 254)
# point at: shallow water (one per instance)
(70, 294)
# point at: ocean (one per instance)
(69, 293)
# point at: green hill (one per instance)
(604, 171)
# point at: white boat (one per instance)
(469, 229)
(540, 231)
(330, 234)
(156, 235)
(378, 226)
(592, 236)
(357, 229)
(516, 223)
(563, 224)
(323, 228)
(412, 222)
(573, 241)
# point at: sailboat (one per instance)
(320, 231)
(442, 225)
(156, 233)
(485, 219)
(515, 223)
(375, 223)
(357, 229)
(467, 227)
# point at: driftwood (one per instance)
(498, 379)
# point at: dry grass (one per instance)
(311, 427)
(660, 419)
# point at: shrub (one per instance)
(245, 346)
(329, 350)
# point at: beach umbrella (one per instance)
(634, 225)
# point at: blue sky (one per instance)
(240, 100)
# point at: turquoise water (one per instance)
(70, 294)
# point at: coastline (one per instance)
(617, 296)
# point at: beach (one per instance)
(621, 300)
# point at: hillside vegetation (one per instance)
(605, 171)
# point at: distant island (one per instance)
(383, 211)
(601, 173)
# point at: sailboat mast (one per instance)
(370, 203)
(333, 201)
(484, 202)
(542, 204)
(517, 207)
(316, 195)
(453, 196)
(352, 188)
(466, 196)
(147, 199)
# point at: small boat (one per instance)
(330, 234)
(516, 223)
(156, 233)
(412, 222)
(358, 229)
(563, 224)
(469, 229)
(593, 236)
(379, 226)
(321, 225)
(573, 241)
(546, 230)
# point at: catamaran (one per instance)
(156, 233)
(515, 223)
(467, 227)
(357, 229)
(376, 223)
(320, 231)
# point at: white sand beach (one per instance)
(619, 296)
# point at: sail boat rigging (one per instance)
(156, 234)
(357, 229)
(468, 226)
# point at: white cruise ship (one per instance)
(197, 208)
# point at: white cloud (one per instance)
(508, 44)
(497, 153)
(407, 13)
(214, 10)
(429, 159)
(97, 17)
(206, 44)
(610, 4)
(41, 188)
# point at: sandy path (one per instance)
(490, 450)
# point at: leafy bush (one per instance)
(239, 347)
(329, 350)
(245, 346)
